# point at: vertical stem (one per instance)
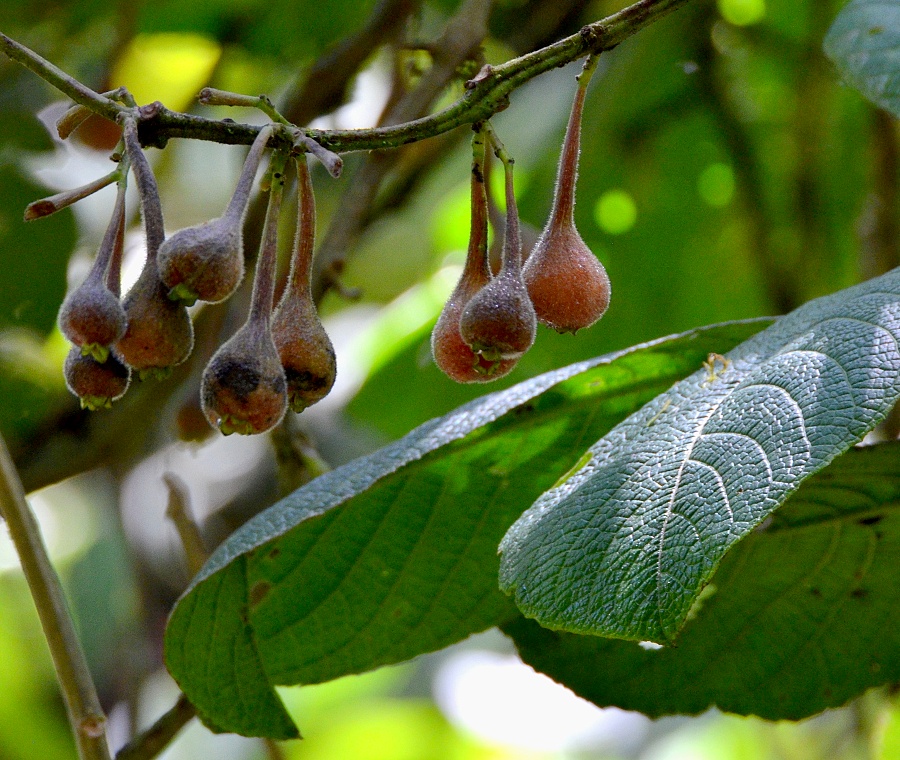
(79, 693)
(512, 244)
(305, 238)
(114, 271)
(512, 241)
(147, 189)
(476, 259)
(109, 260)
(264, 282)
(567, 173)
(239, 199)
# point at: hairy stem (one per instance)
(264, 282)
(79, 693)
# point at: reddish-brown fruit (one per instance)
(96, 384)
(243, 389)
(499, 321)
(452, 354)
(207, 261)
(568, 286)
(304, 347)
(91, 316)
(159, 333)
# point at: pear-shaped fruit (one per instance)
(243, 388)
(159, 333)
(303, 345)
(499, 321)
(97, 384)
(452, 354)
(91, 316)
(206, 261)
(568, 286)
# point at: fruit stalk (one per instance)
(567, 284)
(452, 354)
(160, 334)
(243, 389)
(499, 322)
(91, 316)
(567, 172)
(304, 348)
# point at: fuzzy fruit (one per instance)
(91, 316)
(243, 388)
(452, 354)
(499, 321)
(96, 384)
(159, 333)
(304, 347)
(568, 286)
(207, 261)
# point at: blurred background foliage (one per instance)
(725, 173)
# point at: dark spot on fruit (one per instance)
(306, 380)
(241, 379)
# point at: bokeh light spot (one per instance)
(742, 12)
(716, 185)
(170, 67)
(615, 212)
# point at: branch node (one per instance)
(93, 726)
(483, 75)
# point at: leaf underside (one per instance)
(799, 617)
(625, 546)
(395, 554)
(864, 43)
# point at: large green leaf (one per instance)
(802, 615)
(395, 554)
(624, 547)
(864, 43)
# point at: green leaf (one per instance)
(31, 385)
(625, 546)
(801, 616)
(395, 554)
(864, 43)
(34, 256)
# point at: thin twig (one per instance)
(179, 512)
(79, 693)
(60, 80)
(485, 97)
(155, 739)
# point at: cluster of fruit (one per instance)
(490, 319)
(282, 357)
(279, 358)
